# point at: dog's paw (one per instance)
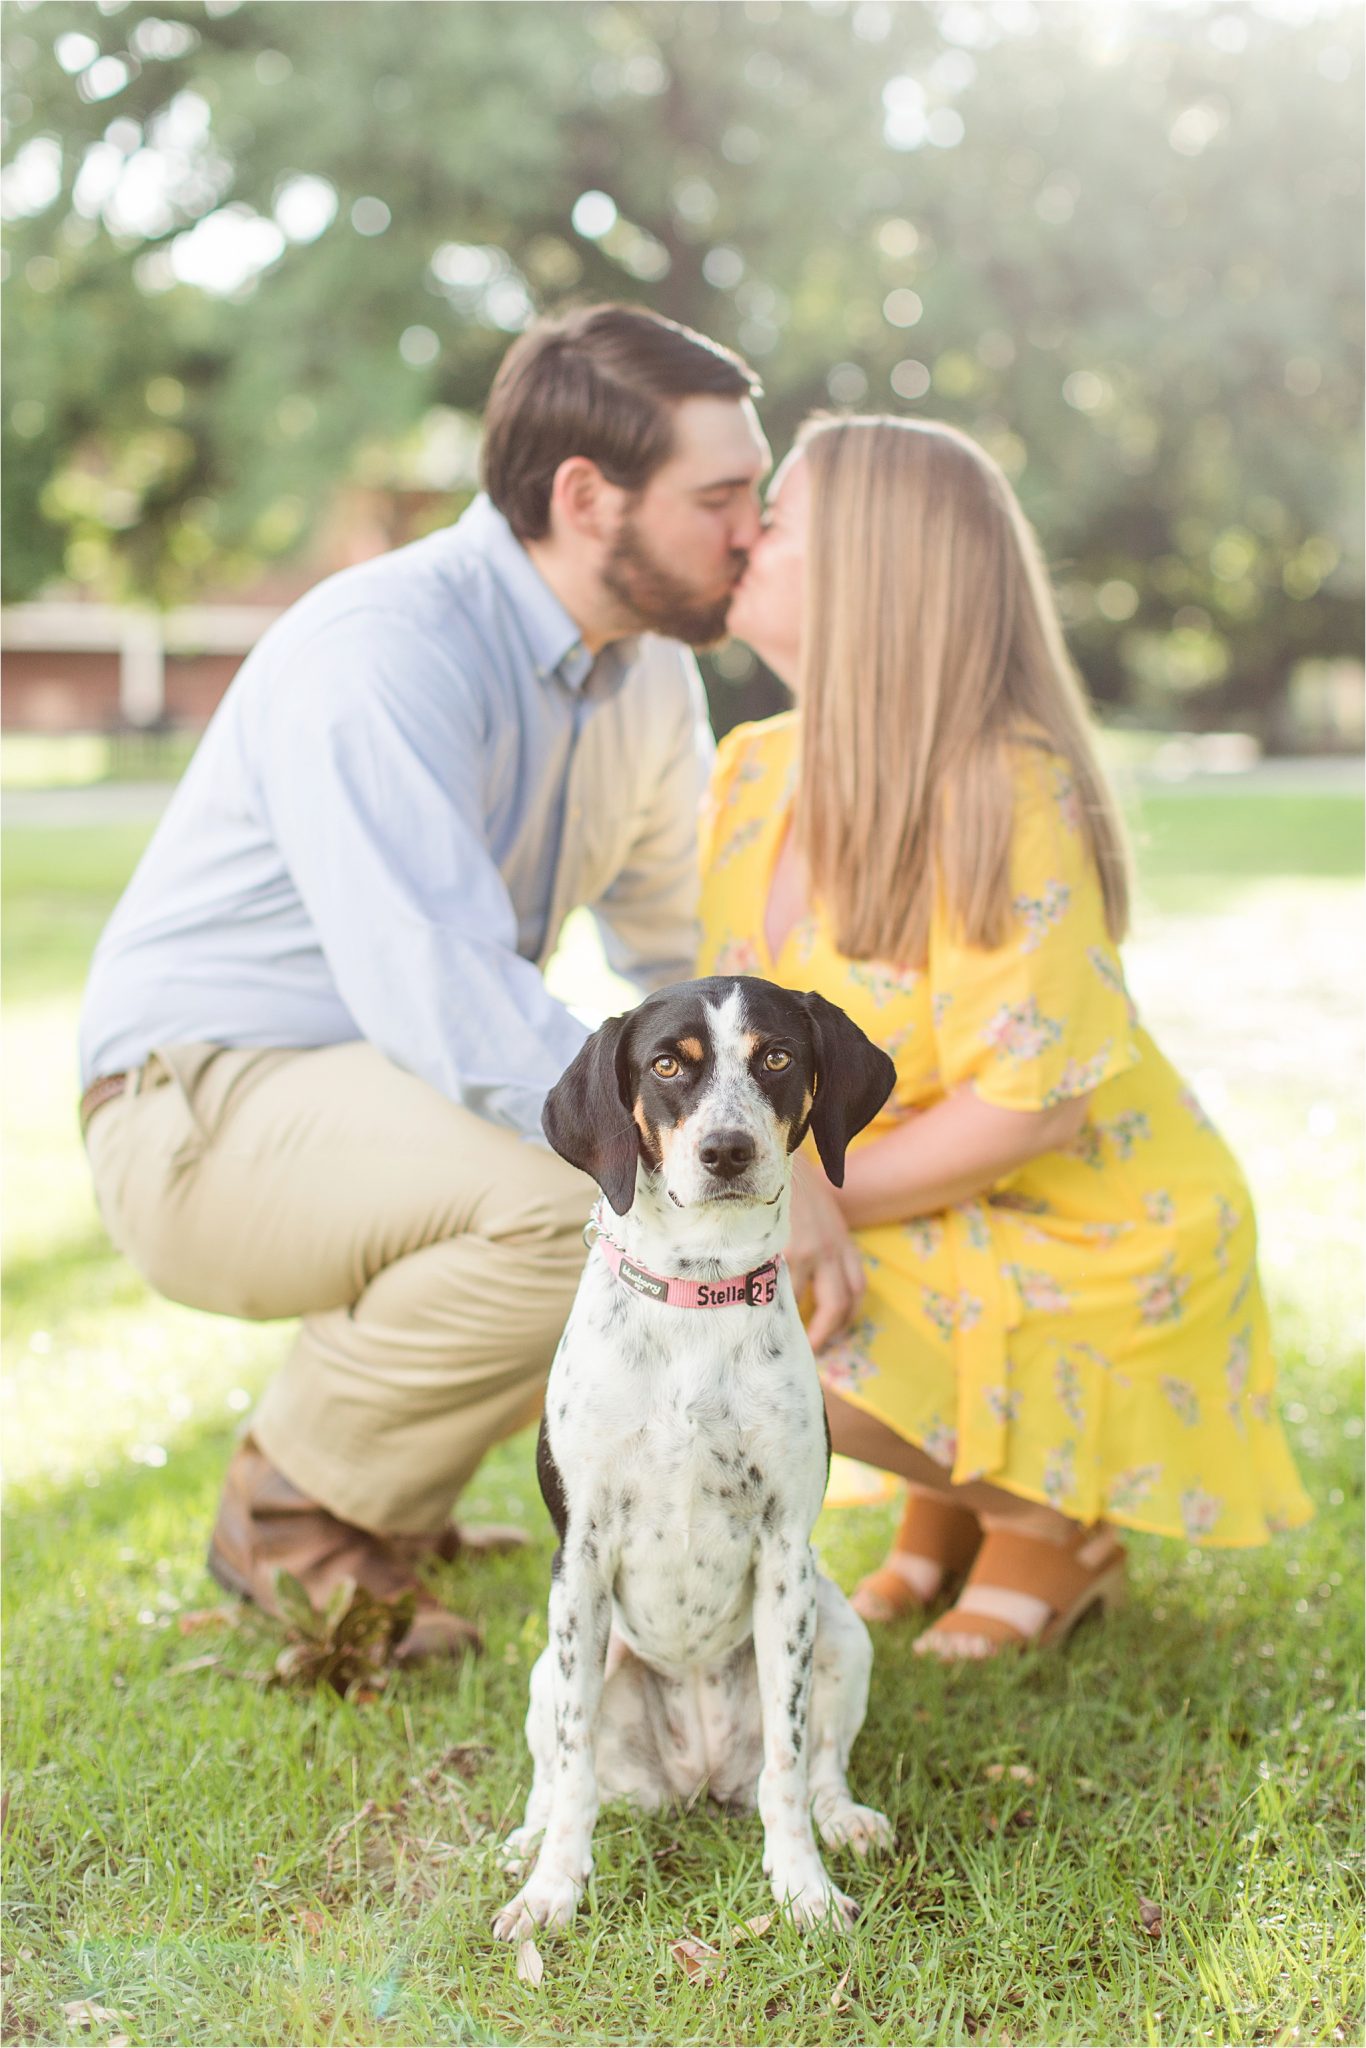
(860, 1828)
(548, 1901)
(516, 1853)
(812, 1901)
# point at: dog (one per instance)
(684, 1450)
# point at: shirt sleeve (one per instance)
(371, 778)
(1045, 1016)
(648, 914)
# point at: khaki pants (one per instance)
(432, 1256)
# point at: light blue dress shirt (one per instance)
(413, 778)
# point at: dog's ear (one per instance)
(854, 1077)
(587, 1116)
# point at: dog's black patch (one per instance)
(551, 1484)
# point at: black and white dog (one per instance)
(684, 1451)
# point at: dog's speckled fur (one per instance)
(683, 1454)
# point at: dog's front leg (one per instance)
(580, 1620)
(784, 1648)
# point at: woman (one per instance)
(1062, 1328)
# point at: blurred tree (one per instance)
(257, 251)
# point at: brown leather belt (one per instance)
(99, 1092)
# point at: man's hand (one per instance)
(827, 1272)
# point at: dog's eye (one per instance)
(776, 1060)
(666, 1066)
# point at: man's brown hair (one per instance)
(601, 382)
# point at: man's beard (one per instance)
(657, 601)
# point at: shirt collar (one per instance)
(553, 637)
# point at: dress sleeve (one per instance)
(1045, 1016)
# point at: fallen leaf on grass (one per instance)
(1150, 1913)
(83, 2012)
(698, 1960)
(193, 1664)
(838, 2001)
(530, 1968)
(311, 1923)
(1019, 1774)
(206, 1617)
(758, 1927)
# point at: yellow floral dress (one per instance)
(1092, 1332)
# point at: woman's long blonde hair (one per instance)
(931, 646)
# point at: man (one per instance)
(316, 1038)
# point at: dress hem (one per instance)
(1114, 1518)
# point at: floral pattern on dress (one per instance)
(1060, 1474)
(1162, 1295)
(924, 1234)
(1130, 1488)
(735, 844)
(1228, 1227)
(1003, 1403)
(1242, 1291)
(940, 1004)
(1183, 1399)
(1068, 796)
(1159, 1207)
(1105, 1234)
(1087, 1147)
(1200, 1511)
(1021, 1031)
(1080, 1077)
(1194, 1108)
(976, 1226)
(1067, 1387)
(1108, 968)
(1238, 1363)
(950, 1312)
(941, 1442)
(846, 1363)
(802, 940)
(1126, 1131)
(1040, 1290)
(884, 984)
(737, 956)
(1040, 913)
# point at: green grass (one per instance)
(1207, 848)
(177, 1846)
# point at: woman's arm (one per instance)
(948, 1154)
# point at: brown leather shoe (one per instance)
(265, 1524)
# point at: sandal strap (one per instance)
(966, 1621)
(937, 1528)
(1051, 1572)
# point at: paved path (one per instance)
(142, 803)
(96, 803)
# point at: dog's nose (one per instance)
(726, 1153)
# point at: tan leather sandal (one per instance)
(1012, 1562)
(933, 1529)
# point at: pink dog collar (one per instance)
(755, 1289)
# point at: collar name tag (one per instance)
(755, 1289)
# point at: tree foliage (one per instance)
(1123, 250)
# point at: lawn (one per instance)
(214, 1862)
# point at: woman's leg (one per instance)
(855, 1434)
